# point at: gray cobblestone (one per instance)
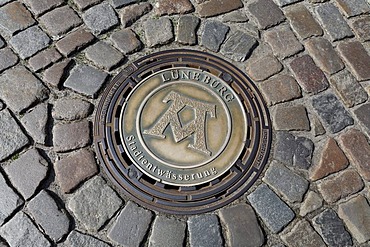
(44, 59)
(12, 202)
(238, 45)
(41, 6)
(362, 114)
(70, 136)
(167, 232)
(214, 33)
(302, 234)
(273, 211)
(291, 118)
(131, 225)
(237, 16)
(204, 230)
(27, 172)
(2, 42)
(7, 59)
(312, 202)
(158, 31)
(29, 42)
(121, 3)
(352, 8)
(71, 109)
(35, 121)
(94, 203)
(100, 18)
(83, 4)
(132, 13)
(286, 2)
(126, 41)
(77, 239)
(266, 13)
(361, 26)
(261, 67)
(103, 55)
(53, 221)
(8, 24)
(2, 2)
(186, 30)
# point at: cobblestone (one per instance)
(170, 7)
(277, 175)
(332, 160)
(286, 2)
(280, 88)
(71, 109)
(103, 55)
(12, 202)
(353, 213)
(324, 55)
(7, 59)
(35, 121)
(2, 42)
(77, 239)
(131, 225)
(186, 30)
(20, 231)
(217, 7)
(242, 226)
(70, 171)
(348, 89)
(291, 118)
(214, 33)
(84, 4)
(357, 59)
(302, 234)
(14, 17)
(238, 46)
(70, 136)
(318, 129)
(126, 41)
(204, 231)
(39, 7)
(236, 16)
(333, 22)
(29, 42)
(29, 89)
(312, 202)
(74, 42)
(353, 8)
(94, 204)
(27, 172)
(331, 229)
(361, 27)
(261, 67)
(308, 75)
(56, 73)
(44, 59)
(357, 148)
(86, 80)
(332, 112)
(121, 3)
(132, 13)
(167, 232)
(302, 21)
(362, 114)
(100, 18)
(266, 13)
(283, 41)
(60, 20)
(53, 221)
(158, 31)
(344, 184)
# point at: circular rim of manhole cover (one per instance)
(182, 132)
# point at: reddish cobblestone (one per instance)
(55, 74)
(70, 136)
(14, 17)
(361, 26)
(44, 59)
(171, 7)
(291, 118)
(217, 7)
(132, 13)
(74, 42)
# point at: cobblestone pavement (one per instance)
(310, 59)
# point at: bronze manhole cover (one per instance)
(182, 132)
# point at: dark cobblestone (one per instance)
(2, 42)
(70, 136)
(291, 118)
(35, 121)
(12, 202)
(121, 3)
(186, 30)
(7, 59)
(71, 109)
(60, 21)
(74, 42)
(77, 239)
(214, 33)
(29, 42)
(29, 89)
(9, 24)
(44, 59)
(217, 7)
(273, 211)
(167, 232)
(86, 80)
(158, 31)
(332, 112)
(70, 171)
(312, 202)
(352, 8)
(83, 4)
(46, 213)
(348, 89)
(54, 75)
(100, 18)
(361, 27)
(331, 229)
(132, 13)
(94, 204)
(39, 7)
(170, 7)
(362, 114)
(333, 22)
(242, 226)
(302, 21)
(266, 13)
(27, 172)
(131, 225)
(126, 41)
(238, 45)
(308, 75)
(104, 55)
(324, 55)
(204, 230)
(302, 234)
(357, 59)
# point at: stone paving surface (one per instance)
(310, 59)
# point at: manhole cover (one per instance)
(182, 132)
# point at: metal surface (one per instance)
(182, 132)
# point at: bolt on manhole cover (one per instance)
(182, 132)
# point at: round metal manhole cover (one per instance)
(182, 132)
